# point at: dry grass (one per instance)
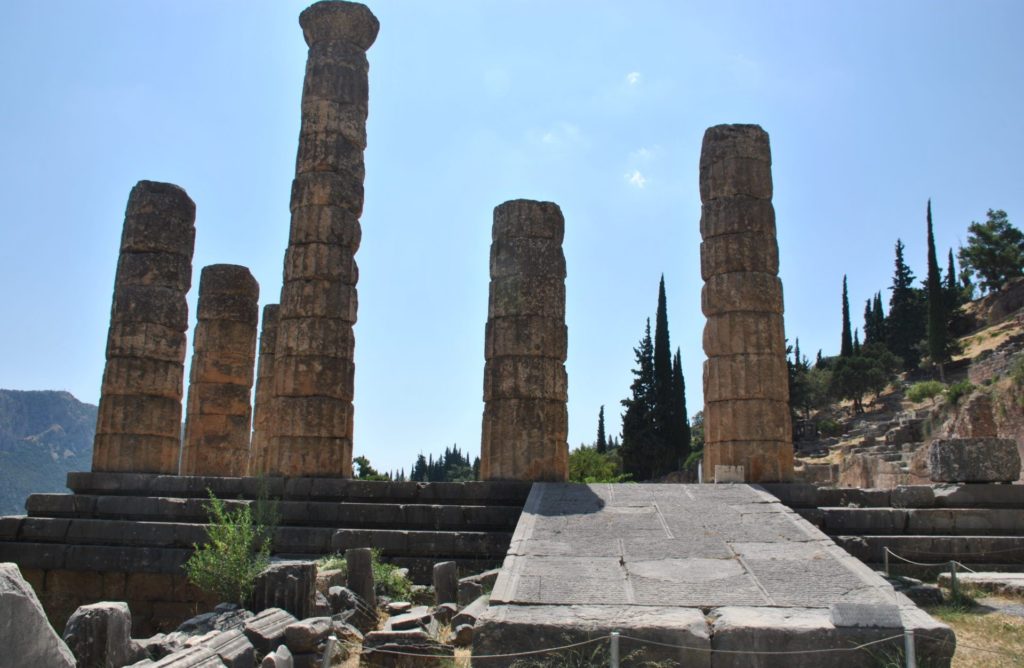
(987, 339)
(977, 629)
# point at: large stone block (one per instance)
(523, 218)
(974, 460)
(99, 635)
(525, 378)
(328, 337)
(525, 439)
(732, 253)
(311, 456)
(348, 22)
(313, 376)
(321, 261)
(159, 218)
(313, 416)
(136, 453)
(227, 368)
(219, 399)
(333, 225)
(526, 336)
(149, 340)
(143, 376)
(322, 115)
(164, 270)
(747, 419)
(150, 304)
(234, 308)
(520, 256)
(25, 635)
(737, 215)
(289, 585)
(742, 332)
(735, 160)
(319, 298)
(728, 293)
(139, 415)
(762, 460)
(226, 337)
(527, 295)
(327, 189)
(330, 151)
(750, 376)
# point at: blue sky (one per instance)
(872, 108)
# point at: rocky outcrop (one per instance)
(100, 636)
(25, 634)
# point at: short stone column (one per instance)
(138, 427)
(746, 387)
(313, 367)
(220, 382)
(526, 422)
(263, 411)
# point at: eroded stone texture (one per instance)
(525, 424)
(310, 431)
(746, 390)
(263, 411)
(220, 384)
(138, 428)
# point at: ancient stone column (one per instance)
(526, 422)
(138, 427)
(746, 389)
(313, 367)
(220, 381)
(263, 411)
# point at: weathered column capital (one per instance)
(339, 21)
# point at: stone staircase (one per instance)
(980, 525)
(137, 522)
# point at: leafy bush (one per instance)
(387, 580)
(957, 390)
(828, 427)
(587, 465)
(926, 389)
(236, 552)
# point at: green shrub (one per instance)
(387, 581)
(236, 552)
(926, 389)
(958, 390)
(829, 428)
(587, 465)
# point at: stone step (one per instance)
(287, 539)
(500, 493)
(293, 513)
(922, 521)
(976, 550)
(798, 495)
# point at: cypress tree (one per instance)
(905, 326)
(681, 446)
(638, 436)
(869, 322)
(602, 444)
(938, 339)
(662, 376)
(846, 345)
(856, 343)
(953, 300)
(796, 352)
(878, 316)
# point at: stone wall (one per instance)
(526, 422)
(138, 427)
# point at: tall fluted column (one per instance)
(262, 413)
(220, 382)
(313, 367)
(138, 427)
(526, 422)
(746, 387)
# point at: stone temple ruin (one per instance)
(712, 567)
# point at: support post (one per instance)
(613, 650)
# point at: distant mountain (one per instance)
(43, 435)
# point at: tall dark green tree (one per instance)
(856, 342)
(846, 345)
(938, 332)
(639, 438)
(663, 418)
(953, 294)
(994, 251)
(680, 444)
(879, 319)
(602, 443)
(905, 325)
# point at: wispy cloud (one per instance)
(636, 179)
(633, 78)
(562, 135)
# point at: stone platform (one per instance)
(712, 568)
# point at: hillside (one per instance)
(43, 435)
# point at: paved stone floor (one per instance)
(709, 567)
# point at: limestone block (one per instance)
(313, 376)
(233, 648)
(150, 304)
(737, 215)
(149, 340)
(526, 336)
(526, 256)
(321, 261)
(747, 419)
(762, 461)
(138, 415)
(739, 252)
(735, 160)
(744, 332)
(751, 376)
(308, 635)
(211, 337)
(469, 591)
(348, 22)
(266, 630)
(728, 293)
(159, 218)
(527, 295)
(323, 115)
(524, 439)
(25, 634)
(234, 308)
(164, 270)
(329, 337)
(137, 453)
(327, 189)
(289, 585)
(359, 578)
(329, 151)
(143, 376)
(99, 635)
(528, 219)
(310, 455)
(313, 416)
(333, 225)
(525, 378)
(974, 460)
(319, 298)
(263, 412)
(974, 418)
(446, 582)
(279, 658)
(218, 399)
(226, 368)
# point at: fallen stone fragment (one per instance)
(398, 607)
(233, 648)
(266, 630)
(288, 585)
(427, 651)
(471, 612)
(444, 612)
(360, 574)
(446, 582)
(225, 616)
(462, 635)
(279, 658)
(188, 657)
(100, 635)
(416, 618)
(485, 579)
(307, 635)
(469, 591)
(25, 632)
(974, 460)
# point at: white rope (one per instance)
(941, 563)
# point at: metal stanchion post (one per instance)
(885, 557)
(613, 650)
(954, 586)
(908, 648)
(329, 652)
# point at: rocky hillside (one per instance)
(43, 435)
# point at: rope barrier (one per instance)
(941, 563)
(974, 647)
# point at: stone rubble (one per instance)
(24, 630)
